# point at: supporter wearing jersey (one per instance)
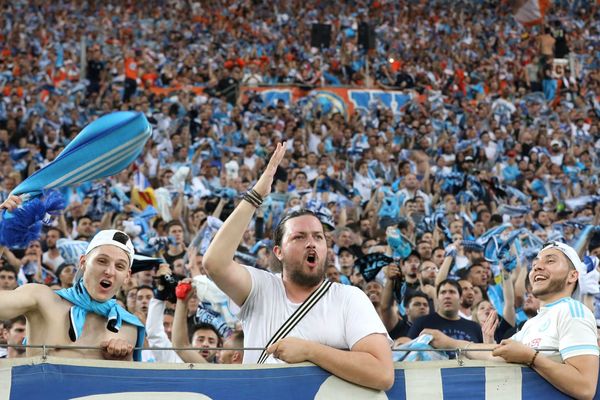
(563, 325)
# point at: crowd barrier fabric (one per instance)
(60, 379)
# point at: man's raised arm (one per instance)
(231, 277)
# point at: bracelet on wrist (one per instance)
(532, 362)
(252, 197)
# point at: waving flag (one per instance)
(530, 12)
(103, 148)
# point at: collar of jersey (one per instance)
(564, 299)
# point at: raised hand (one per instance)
(489, 328)
(263, 186)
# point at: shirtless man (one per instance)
(90, 316)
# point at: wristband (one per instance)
(533, 358)
(252, 197)
(182, 290)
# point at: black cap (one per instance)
(347, 249)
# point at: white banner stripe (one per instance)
(5, 381)
(100, 168)
(424, 384)
(92, 162)
(503, 383)
(105, 161)
(97, 166)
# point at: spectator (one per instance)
(307, 239)
(554, 278)
(109, 259)
(51, 257)
(14, 333)
(232, 353)
(8, 278)
(446, 319)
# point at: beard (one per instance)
(554, 286)
(428, 281)
(466, 303)
(305, 279)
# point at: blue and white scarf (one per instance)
(111, 310)
(103, 148)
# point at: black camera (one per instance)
(168, 283)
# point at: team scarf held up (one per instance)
(102, 149)
(111, 310)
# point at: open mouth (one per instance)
(539, 278)
(105, 283)
(311, 259)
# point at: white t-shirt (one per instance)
(565, 324)
(342, 317)
(52, 262)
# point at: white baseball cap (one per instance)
(572, 255)
(112, 237)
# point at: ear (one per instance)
(277, 252)
(128, 278)
(237, 356)
(82, 259)
(573, 276)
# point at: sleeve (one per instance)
(577, 333)
(361, 318)
(154, 324)
(261, 280)
(416, 328)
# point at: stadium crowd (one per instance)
(495, 154)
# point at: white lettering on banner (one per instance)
(394, 100)
(336, 388)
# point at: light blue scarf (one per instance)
(111, 310)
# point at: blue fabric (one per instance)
(111, 310)
(103, 148)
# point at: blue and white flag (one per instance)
(103, 148)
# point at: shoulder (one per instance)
(570, 308)
(470, 324)
(37, 291)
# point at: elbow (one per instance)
(587, 392)
(386, 380)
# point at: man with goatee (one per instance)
(341, 333)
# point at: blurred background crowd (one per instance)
(494, 152)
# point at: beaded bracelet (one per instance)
(533, 358)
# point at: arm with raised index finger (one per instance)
(231, 277)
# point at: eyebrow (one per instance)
(126, 261)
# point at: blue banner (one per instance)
(61, 379)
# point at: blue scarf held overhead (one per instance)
(102, 149)
(111, 310)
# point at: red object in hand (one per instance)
(182, 290)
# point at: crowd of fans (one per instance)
(496, 133)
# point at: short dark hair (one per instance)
(205, 326)
(451, 282)
(8, 324)
(174, 222)
(9, 268)
(53, 228)
(280, 229)
(412, 295)
(169, 311)
(238, 338)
